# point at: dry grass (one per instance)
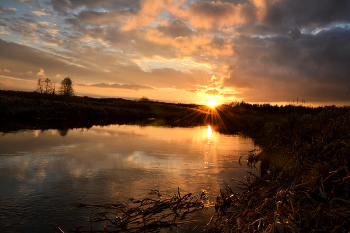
(145, 215)
(307, 185)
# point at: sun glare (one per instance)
(212, 103)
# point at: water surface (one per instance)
(43, 172)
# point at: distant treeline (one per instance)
(244, 107)
(24, 107)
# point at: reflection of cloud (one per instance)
(36, 133)
(63, 132)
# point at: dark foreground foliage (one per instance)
(306, 186)
(145, 215)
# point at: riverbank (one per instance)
(306, 185)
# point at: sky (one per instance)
(189, 51)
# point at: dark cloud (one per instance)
(176, 29)
(307, 14)
(313, 66)
(7, 10)
(91, 17)
(20, 20)
(211, 9)
(63, 6)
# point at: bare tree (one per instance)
(40, 86)
(67, 87)
(49, 89)
(54, 88)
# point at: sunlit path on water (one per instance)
(44, 172)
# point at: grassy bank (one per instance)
(306, 186)
(24, 109)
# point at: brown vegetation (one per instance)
(146, 215)
(307, 185)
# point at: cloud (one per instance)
(7, 10)
(64, 6)
(6, 71)
(306, 66)
(176, 29)
(41, 72)
(212, 92)
(3, 32)
(47, 24)
(29, 72)
(120, 86)
(39, 13)
(58, 76)
(307, 14)
(218, 14)
(53, 31)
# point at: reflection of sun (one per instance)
(209, 131)
(212, 103)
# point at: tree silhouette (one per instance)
(144, 99)
(48, 87)
(40, 86)
(67, 87)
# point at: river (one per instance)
(42, 173)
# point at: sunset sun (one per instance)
(212, 103)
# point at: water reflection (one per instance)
(63, 132)
(209, 131)
(43, 173)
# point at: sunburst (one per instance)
(212, 103)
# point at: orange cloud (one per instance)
(41, 72)
(52, 31)
(39, 13)
(150, 12)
